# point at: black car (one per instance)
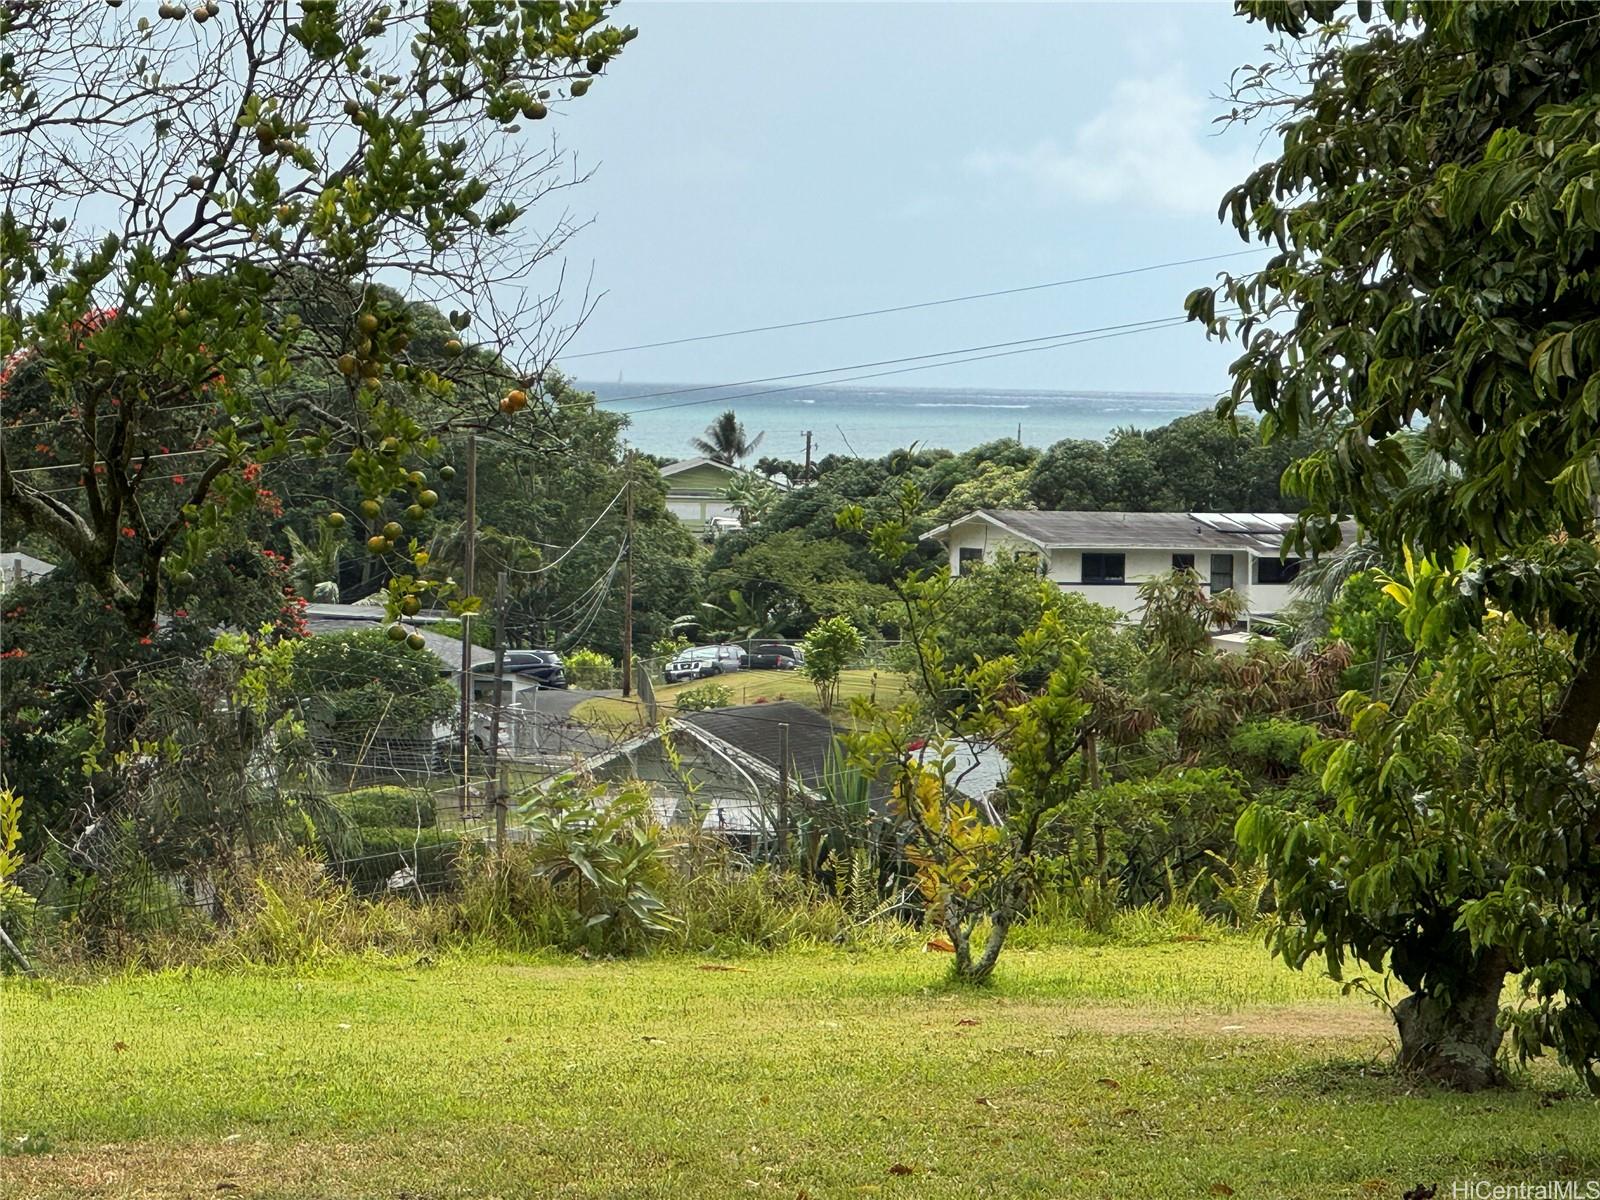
(542, 667)
(775, 656)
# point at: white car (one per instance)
(702, 662)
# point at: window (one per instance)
(1104, 568)
(966, 557)
(1221, 573)
(1272, 570)
(1183, 562)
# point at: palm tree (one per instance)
(725, 442)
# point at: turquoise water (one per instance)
(870, 422)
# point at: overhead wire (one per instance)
(897, 308)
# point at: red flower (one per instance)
(127, 532)
(252, 472)
(17, 652)
(177, 479)
(180, 612)
(146, 640)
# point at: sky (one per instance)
(758, 163)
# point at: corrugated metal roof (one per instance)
(1259, 533)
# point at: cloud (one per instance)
(1150, 146)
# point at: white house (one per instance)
(1105, 556)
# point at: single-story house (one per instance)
(18, 568)
(697, 493)
(1106, 555)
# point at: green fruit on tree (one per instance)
(415, 512)
(447, 472)
(416, 478)
(368, 323)
(390, 445)
(336, 520)
(347, 364)
(394, 531)
(370, 508)
(579, 87)
(397, 633)
(377, 543)
(371, 369)
(428, 498)
(415, 641)
(453, 347)
(411, 606)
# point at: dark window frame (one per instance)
(966, 555)
(1102, 561)
(1276, 570)
(1183, 562)
(1216, 561)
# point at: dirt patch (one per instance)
(1294, 1022)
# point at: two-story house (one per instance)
(1105, 556)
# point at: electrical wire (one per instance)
(887, 362)
(897, 308)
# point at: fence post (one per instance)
(502, 792)
(783, 792)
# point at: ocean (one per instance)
(872, 421)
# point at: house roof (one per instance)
(1260, 533)
(14, 562)
(689, 464)
(446, 649)
(754, 730)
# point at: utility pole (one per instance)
(805, 476)
(466, 710)
(469, 557)
(499, 677)
(627, 579)
(469, 565)
(783, 792)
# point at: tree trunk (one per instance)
(1452, 1039)
(969, 970)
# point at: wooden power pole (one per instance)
(627, 578)
(805, 476)
(469, 568)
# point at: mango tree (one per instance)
(1431, 222)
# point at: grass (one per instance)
(748, 687)
(1175, 1070)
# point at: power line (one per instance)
(1138, 327)
(887, 362)
(878, 312)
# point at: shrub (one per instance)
(504, 902)
(591, 670)
(704, 696)
(388, 807)
(1272, 746)
(830, 647)
(601, 855)
(669, 647)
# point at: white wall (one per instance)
(1066, 568)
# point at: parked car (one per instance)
(702, 662)
(775, 656)
(542, 667)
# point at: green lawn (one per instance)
(748, 687)
(1177, 1070)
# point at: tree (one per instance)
(725, 440)
(830, 647)
(196, 297)
(976, 870)
(1433, 216)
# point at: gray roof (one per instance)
(1258, 533)
(446, 649)
(14, 563)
